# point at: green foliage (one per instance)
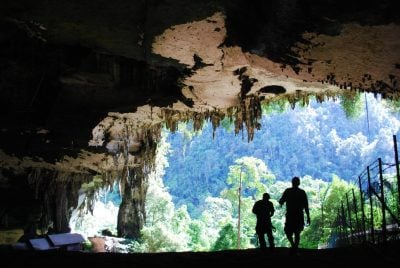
(166, 229)
(351, 104)
(312, 236)
(227, 124)
(87, 245)
(331, 203)
(199, 240)
(393, 105)
(277, 106)
(181, 220)
(337, 191)
(159, 238)
(216, 214)
(159, 205)
(392, 194)
(188, 130)
(227, 238)
(251, 175)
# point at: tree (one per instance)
(248, 179)
(199, 240)
(249, 173)
(226, 239)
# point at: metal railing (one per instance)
(371, 213)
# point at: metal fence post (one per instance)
(350, 221)
(344, 223)
(384, 231)
(370, 206)
(362, 209)
(396, 159)
(355, 212)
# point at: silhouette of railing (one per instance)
(371, 212)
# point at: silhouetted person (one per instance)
(264, 209)
(296, 203)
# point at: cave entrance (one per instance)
(192, 198)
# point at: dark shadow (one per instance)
(272, 89)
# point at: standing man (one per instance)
(264, 209)
(296, 203)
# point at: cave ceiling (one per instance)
(85, 86)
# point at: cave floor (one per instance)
(365, 255)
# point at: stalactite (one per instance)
(136, 166)
(246, 116)
(216, 121)
(57, 191)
